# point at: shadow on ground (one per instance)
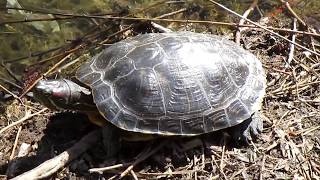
(63, 130)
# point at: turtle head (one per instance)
(63, 94)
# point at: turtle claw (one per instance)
(248, 130)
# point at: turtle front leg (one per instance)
(111, 140)
(248, 130)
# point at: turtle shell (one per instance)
(179, 83)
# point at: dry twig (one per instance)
(292, 12)
(103, 169)
(27, 116)
(245, 14)
(49, 71)
(11, 93)
(142, 158)
(15, 143)
(291, 52)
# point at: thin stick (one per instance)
(215, 162)
(142, 158)
(46, 73)
(101, 170)
(266, 29)
(168, 173)
(11, 93)
(15, 144)
(262, 167)
(293, 13)
(173, 13)
(307, 131)
(26, 117)
(134, 175)
(222, 155)
(10, 72)
(160, 28)
(291, 53)
(203, 157)
(36, 20)
(5, 80)
(195, 167)
(241, 22)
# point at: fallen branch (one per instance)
(51, 166)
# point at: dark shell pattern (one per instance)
(180, 83)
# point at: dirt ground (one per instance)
(288, 148)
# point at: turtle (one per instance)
(166, 84)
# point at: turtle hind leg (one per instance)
(110, 134)
(111, 141)
(248, 130)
